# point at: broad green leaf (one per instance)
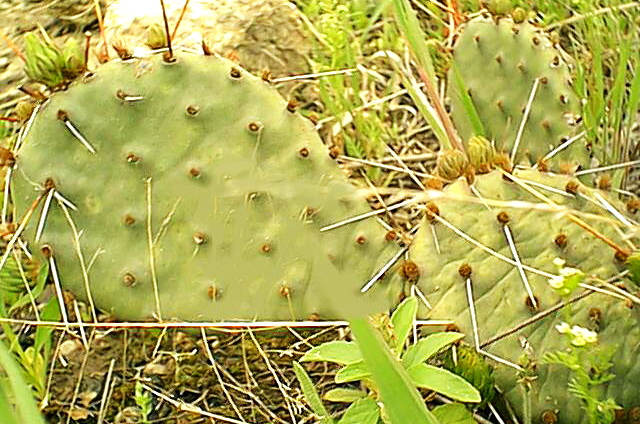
(340, 352)
(444, 382)
(427, 347)
(26, 410)
(310, 393)
(362, 411)
(402, 401)
(402, 321)
(344, 395)
(353, 372)
(453, 413)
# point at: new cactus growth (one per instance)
(186, 188)
(488, 253)
(451, 164)
(520, 87)
(481, 153)
(50, 65)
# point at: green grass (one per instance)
(17, 405)
(346, 38)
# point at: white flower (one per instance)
(563, 328)
(557, 281)
(581, 336)
(559, 262)
(568, 272)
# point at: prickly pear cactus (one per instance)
(190, 189)
(496, 65)
(499, 238)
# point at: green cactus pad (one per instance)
(205, 163)
(541, 231)
(494, 66)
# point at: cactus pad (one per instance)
(495, 65)
(204, 199)
(467, 221)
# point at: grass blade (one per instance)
(470, 110)
(410, 27)
(6, 410)
(26, 409)
(312, 396)
(425, 108)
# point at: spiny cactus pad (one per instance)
(540, 233)
(204, 199)
(498, 63)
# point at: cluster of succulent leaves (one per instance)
(49, 64)
(412, 358)
(34, 359)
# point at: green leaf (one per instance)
(402, 401)
(340, 352)
(310, 393)
(424, 106)
(353, 372)
(26, 410)
(6, 410)
(362, 411)
(467, 103)
(344, 395)
(409, 25)
(633, 265)
(50, 312)
(444, 382)
(429, 346)
(453, 413)
(402, 321)
(36, 291)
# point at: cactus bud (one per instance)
(499, 7)
(23, 110)
(73, 58)
(44, 61)
(481, 153)
(121, 48)
(156, 37)
(451, 164)
(519, 15)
